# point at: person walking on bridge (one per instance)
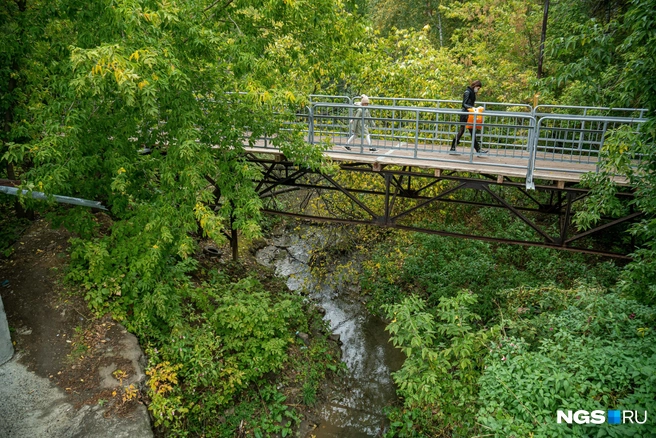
(360, 123)
(468, 102)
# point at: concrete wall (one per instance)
(6, 348)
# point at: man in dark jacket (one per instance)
(468, 101)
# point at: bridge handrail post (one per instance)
(473, 137)
(532, 146)
(601, 143)
(393, 118)
(416, 133)
(582, 133)
(311, 123)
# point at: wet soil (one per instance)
(54, 334)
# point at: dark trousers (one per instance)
(461, 131)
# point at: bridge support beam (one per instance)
(393, 197)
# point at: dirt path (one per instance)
(72, 375)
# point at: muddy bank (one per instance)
(70, 370)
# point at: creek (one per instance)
(357, 410)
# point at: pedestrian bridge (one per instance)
(536, 158)
(547, 142)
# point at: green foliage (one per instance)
(604, 57)
(84, 88)
(388, 15)
(221, 351)
(279, 418)
(444, 359)
(434, 267)
(601, 56)
(630, 154)
(569, 349)
(494, 41)
(552, 348)
(406, 63)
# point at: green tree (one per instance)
(610, 64)
(414, 14)
(496, 42)
(85, 87)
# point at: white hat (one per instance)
(364, 99)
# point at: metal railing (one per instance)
(423, 103)
(545, 110)
(576, 139)
(523, 140)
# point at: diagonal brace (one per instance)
(518, 213)
(603, 227)
(350, 196)
(433, 199)
(291, 177)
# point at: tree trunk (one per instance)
(543, 36)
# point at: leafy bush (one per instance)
(553, 349)
(434, 267)
(444, 362)
(586, 350)
(230, 336)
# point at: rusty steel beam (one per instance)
(398, 184)
(517, 213)
(446, 234)
(555, 210)
(603, 227)
(446, 176)
(418, 197)
(435, 198)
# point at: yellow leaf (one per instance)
(118, 75)
(135, 55)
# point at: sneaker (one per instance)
(373, 149)
(348, 148)
(481, 151)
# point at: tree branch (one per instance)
(215, 3)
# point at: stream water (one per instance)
(357, 411)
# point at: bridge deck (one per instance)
(498, 162)
(527, 145)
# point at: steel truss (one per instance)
(281, 177)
